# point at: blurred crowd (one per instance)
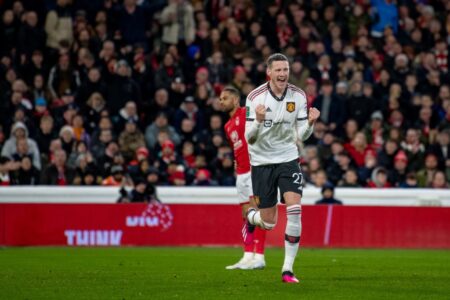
(123, 93)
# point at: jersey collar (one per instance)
(274, 96)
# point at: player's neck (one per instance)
(233, 111)
(276, 91)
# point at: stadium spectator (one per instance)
(58, 173)
(410, 181)
(118, 177)
(63, 78)
(122, 88)
(30, 36)
(331, 108)
(20, 131)
(128, 112)
(27, 174)
(160, 104)
(328, 196)
(178, 23)
(379, 179)
(130, 139)
(350, 179)
(399, 173)
(5, 171)
(161, 123)
(425, 176)
(439, 181)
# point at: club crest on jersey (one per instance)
(290, 106)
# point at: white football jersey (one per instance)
(277, 136)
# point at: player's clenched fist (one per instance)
(313, 115)
(260, 113)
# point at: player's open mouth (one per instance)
(282, 80)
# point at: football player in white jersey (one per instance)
(274, 109)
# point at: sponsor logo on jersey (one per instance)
(234, 137)
(268, 109)
(267, 123)
(247, 111)
(290, 106)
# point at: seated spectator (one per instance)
(83, 164)
(79, 131)
(93, 84)
(189, 109)
(122, 88)
(46, 133)
(328, 196)
(398, 174)
(19, 131)
(376, 132)
(414, 149)
(439, 181)
(91, 178)
(161, 123)
(332, 111)
(319, 178)
(153, 177)
(339, 166)
(188, 154)
(177, 176)
(93, 110)
(5, 171)
(130, 140)
(350, 179)
(203, 178)
(160, 104)
(118, 177)
(410, 181)
(67, 137)
(365, 171)
(387, 154)
(58, 173)
(225, 171)
(358, 148)
(379, 179)
(22, 151)
(27, 174)
(106, 160)
(441, 148)
(167, 156)
(425, 175)
(126, 113)
(63, 77)
(141, 168)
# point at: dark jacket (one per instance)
(50, 175)
(329, 201)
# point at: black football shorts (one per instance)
(267, 179)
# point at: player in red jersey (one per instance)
(254, 238)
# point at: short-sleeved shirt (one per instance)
(235, 131)
(276, 142)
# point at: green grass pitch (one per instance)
(199, 273)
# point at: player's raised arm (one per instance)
(254, 120)
(305, 121)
